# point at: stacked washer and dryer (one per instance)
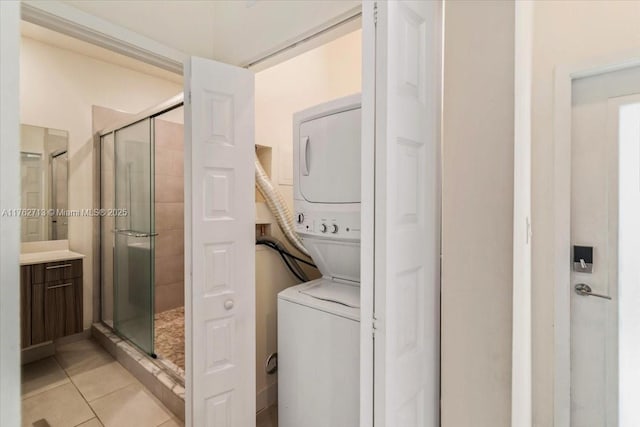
(319, 321)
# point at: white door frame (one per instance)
(367, 225)
(564, 76)
(9, 225)
(521, 359)
(83, 26)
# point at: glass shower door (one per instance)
(134, 234)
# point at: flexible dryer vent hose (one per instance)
(278, 207)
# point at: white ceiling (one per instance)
(236, 32)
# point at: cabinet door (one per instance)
(62, 308)
(37, 314)
(25, 305)
(57, 270)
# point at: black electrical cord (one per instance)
(288, 258)
(276, 245)
(287, 253)
(302, 260)
(283, 255)
(291, 269)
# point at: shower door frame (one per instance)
(150, 114)
(53, 192)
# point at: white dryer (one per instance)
(319, 321)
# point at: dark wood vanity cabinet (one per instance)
(51, 300)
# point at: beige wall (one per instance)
(565, 32)
(477, 219)
(169, 205)
(57, 89)
(328, 72)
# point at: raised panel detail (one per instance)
(409, 181)
(411, 413)
(219, 108)
(218, 193)
(219, 344)
(33, 200)
(33, 226)
(218, 410)
(412, 54)
(33, 175)
(410, 311)
(411, 66)
(219, 259)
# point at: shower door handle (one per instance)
(133, 233)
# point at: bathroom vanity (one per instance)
(50, 295)
(50, 274)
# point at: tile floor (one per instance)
(82, 385)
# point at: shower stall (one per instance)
(138, 240)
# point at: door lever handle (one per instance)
(585, 290)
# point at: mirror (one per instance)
(44, 183)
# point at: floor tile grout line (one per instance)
(80, 393)
(146, 391)
(117, 390)
(168, 414)
(89, 419)
(133, 381)
(22, 398)
(43, 391)
(69, 381)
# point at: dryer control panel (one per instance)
(341, 225)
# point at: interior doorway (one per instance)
(128, 181)
(605, 198)
(404, 39)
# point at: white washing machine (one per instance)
(319, 321)
(319, 355)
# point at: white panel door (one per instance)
(407, 224)
(220, 210)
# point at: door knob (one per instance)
(585, 290)
(228, 304)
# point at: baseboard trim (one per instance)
(48, 349)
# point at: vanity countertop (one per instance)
(48, 256)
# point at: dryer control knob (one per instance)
(300, 218)
(334, 228)
(323, 228)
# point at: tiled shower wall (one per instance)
(169, 204)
